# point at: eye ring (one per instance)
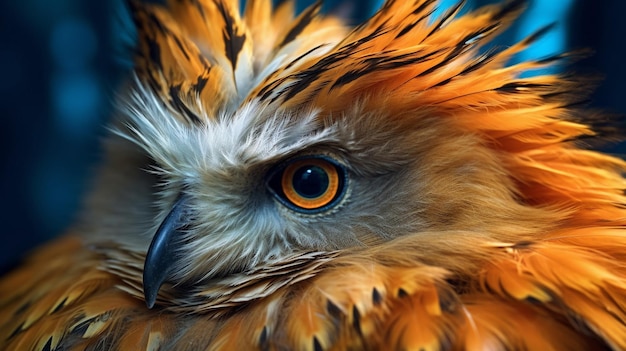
(308, 184)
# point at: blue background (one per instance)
(61, 60)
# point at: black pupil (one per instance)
(310, 181)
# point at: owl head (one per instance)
(254, 142)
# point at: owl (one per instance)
(277, 180)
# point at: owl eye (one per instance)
(308, 184)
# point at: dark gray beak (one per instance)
(163, 250)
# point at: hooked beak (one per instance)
(163, 251)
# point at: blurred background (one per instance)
(61, 61)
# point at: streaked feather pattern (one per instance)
(474, 219)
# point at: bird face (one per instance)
(236, 186)
(229, 157)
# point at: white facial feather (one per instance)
(223, 166)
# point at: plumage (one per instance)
(281, 181)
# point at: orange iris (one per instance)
(310, 183)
